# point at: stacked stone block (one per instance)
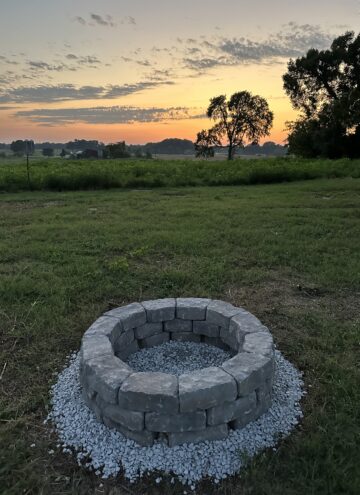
(194, 407)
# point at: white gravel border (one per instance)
(108, 452)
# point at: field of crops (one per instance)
(65, 175)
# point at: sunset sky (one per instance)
(144, 70)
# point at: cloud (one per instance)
(104, 21)
(7, 60)
(88, 60)
(115, 91)
(80, 20)
(292, 41)
(40, 65)
(201, 64)
(143, 63)
(67, 92)
(8, 77)
(77, 62)
(107, 115)
(129, 20)
(50, 93)
(98, 19)
(160, 74)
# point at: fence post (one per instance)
(27, 145)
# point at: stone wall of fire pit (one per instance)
(197, 406)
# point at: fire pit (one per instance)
(193, 407)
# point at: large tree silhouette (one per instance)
(325, 86)
(242, 117)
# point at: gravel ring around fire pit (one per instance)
(109, 453)
(198, 405)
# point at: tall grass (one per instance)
(61, 175)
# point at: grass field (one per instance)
(287, 252)
(56, 174)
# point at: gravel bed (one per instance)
(176, 358)
(108, 453)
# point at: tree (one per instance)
(82, 145)
(205, 144)
(325, 86)
(242, 117)
(21, 147)
(48, 151)
(117, 150)
(138, 153)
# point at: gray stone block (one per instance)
(244, 323)
(132, 420)
(144, 438)
(159, 310)
(127, 351)
(106, 325)
(178, 325)
(175, 422)
(155, 340)
(229, 411)
(131, 316)
(185, 337)
(231, 337)
(206, 328)
(150, 392)
(88, 393)
(263, 401)
(211, 433)
(124, 341)
(264, 392)
(106, 375)
(249, 370)
(205, 388)
(92, 405)
(148, 330)
(84, 382)
(259, 343)
(262, 406)
(269, 383)
(246, 418)
(191, 308)
(93, 346)
(219, 313)
(82, 377)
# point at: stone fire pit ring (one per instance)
(193, 407)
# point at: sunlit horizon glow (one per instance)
(87, 69)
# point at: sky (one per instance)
(145, 70)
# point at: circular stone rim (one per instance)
(196, 406)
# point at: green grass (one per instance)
(287, 252)
(64, 175)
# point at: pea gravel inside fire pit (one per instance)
(177, 358)
(109, 453)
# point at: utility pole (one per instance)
(27, 151)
